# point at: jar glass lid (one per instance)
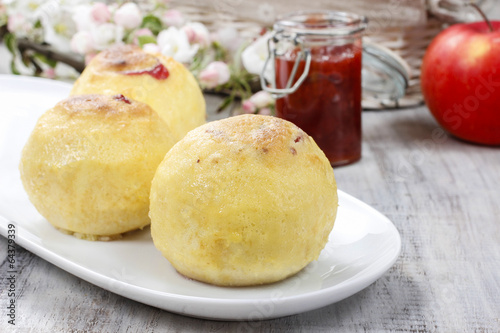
(385, 76)
(330, 23)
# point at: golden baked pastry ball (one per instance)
(88, 164)
(159, 81)
(243, 201)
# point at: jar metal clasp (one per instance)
(274, 51)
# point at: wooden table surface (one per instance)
(443, 196)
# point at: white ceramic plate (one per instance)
(362, 246)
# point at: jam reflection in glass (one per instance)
(327, 105)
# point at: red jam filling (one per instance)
(159, 72)
(122, 98)
(327, 105)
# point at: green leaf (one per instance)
(220, 52)
(198, 62)
(13, 68)
(225, 103)
(146, 40)
(128, 38)
(51, 62)
(11, 42)
(153, 23)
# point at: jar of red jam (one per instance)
(316, 57)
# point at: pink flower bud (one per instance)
(265, 111)
(248, 106)
(191, 34)
(172, 17)
(216, 73)
(262, 99)
(128, 16)
(100, 13)
(197, 33)
(49, 73)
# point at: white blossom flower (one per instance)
(18, 23)
(94, 33)
(172, 17)
(22, 16)
(174, 43)
(82, 42)
(26, 7)
(197, 33)
(57, 25)
(255, 55)
(216, 73)
(228, 38)
(128, 16)
(151, 48)
(82, 16)
(106, 34)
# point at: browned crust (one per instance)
(124, 58)
(269, 135)
(103, 105)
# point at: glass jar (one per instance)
(317, 62)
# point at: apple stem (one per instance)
(483, 15)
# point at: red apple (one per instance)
(461, 81)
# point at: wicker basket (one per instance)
(406, 31)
